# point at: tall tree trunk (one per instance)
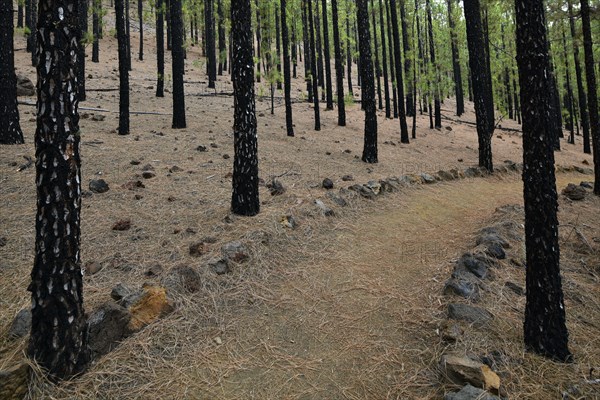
(313, 63)
(328, 87)
(481, 89)
(123, 69)
(244, 199)
(286, 71)
(278, 49)
(555, 109)
(545, 330)
(19, 14)
(58, 340)
(590, 74)
(33, 16)
(258, 54)
(489, 100)
(349, 49)
(319, 47)
(583, 108)
(83, 27)
(398, 69)
(568, 87)
(222, 45)
(169, 23)
(391, 64)
(128, 33)
(406, 46)
(436, 85)
(160, 49)
(306, 48)
(376, 50)
(516, 101)
(141, 21)
(339, 68)
(369, 154)
(384, 60)
(458, 89)
(177, 65)
(10, 128)
(210, 43)
(294, 49)
(96, 30)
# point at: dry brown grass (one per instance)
(339, 308)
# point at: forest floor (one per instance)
(341, 307)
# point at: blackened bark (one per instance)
(545, 331)
(339, 68)
(177, 65)
(244, 199)
(128, 34)
(19, 15)
(406, 47)
(328, 88)
(398, 69)
(10, 127)
(319, 47)
(516, 101)
(348, 49)
(458, 89)
(258, 41)
(286, 71)
(123, 69)
(169, 23)
(33, 15)
(83, 27)
(96, 31)
(555, 110)
(386, 89)
(58, 340)
(583, 108)
(278, 49)
(306, 47)
(369, 154)
(141, 21)
(436, 85)
(222, 40)
(489, 98)
(313, 63)
(391, 59)
(590, 74)
(568, 88)
(210, 42)
(160, 49)
(376, 50)
(481, 90)
(294, 49)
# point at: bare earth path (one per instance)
(360, 322)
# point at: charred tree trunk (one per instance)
(294, 49)
(222, 45)
(313, 63)
(436, 85)
(10, 128)
(244, 199)
(210, 42)
(19, 14)
(481, 90)
(141, 21)
(328, 87)
(391, 62)
(58, 340)
(583, 108)
(348, 49)
(31, 39)
(319, 47)
(398, 69)
(376, 50)
(406, 46)
(123, 69)
(83, 27)
(339, 68)
(160, 49)
(287, 84)
(128, 34)
(168, 20)
(306, 48)
(590, 74)
(278, 49)
(545, 330)
(458, 89)
(177, 65)
(386, 89)
(258, 41)
(369, 154)
(96, 30)
(568, 88)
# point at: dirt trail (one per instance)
(359, 323)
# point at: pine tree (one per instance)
(141, 21)
(123, 68)
(398, 70)
(244, 200)
(160, 49)
(369, 154)
(286, 71)
(339, 68)
(458, 89)
(58, 340)
(545, 330)
(313, 63)
(328, 88)
(177, 65)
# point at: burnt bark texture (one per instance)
(376, 51)
(398, 70)
(10, 127)
(328, 87)
(96, 10)
(287, 84)
(348, 49)
(123, 69)
(482, 91)
(177, 65)
(210, 42)
(590, 75)
(58, 340)
(545, 331)
(244, 200)
(436, 77)
(160, 48)
(141, 22)
(369, 154)
(339, 68)
(313, 64)
(582, 97)
(386, 89)
(406, 47)
(222, 39)
(458, 89)
(83, 27)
